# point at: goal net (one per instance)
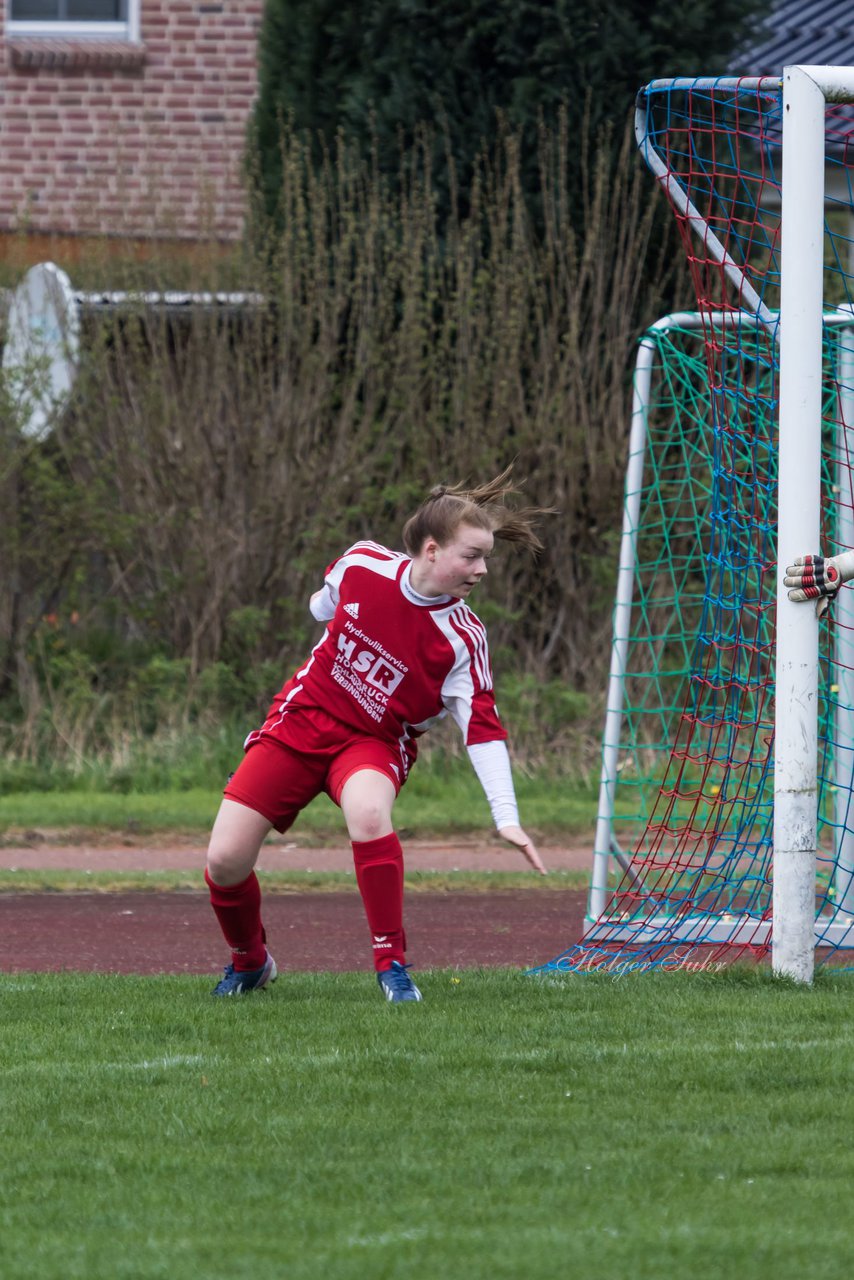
(698, 813)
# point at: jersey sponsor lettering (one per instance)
(365, 669)
(358, 634)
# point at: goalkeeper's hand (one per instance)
(515, 835)
(818, 578)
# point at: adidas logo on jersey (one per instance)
(352, 609)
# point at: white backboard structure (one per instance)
(41, 349)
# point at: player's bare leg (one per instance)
(235, 842)
(367, 799)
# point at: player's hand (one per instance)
(818, 578)
(515, 835)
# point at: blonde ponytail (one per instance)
(484, 507)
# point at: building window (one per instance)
(69, 10)
(111, 19)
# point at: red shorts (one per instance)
(279, 778)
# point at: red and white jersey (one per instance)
(392, 662)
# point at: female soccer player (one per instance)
(401, 649)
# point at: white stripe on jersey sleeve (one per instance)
(458, 687)
(375, 548)
(465, 620)
(365, 555)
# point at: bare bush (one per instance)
(216, 463)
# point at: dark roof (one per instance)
(810, 32)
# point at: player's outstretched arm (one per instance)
(818, 578)
(515, 835)
(492, 765)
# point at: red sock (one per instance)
(238, 909)
(379, 875)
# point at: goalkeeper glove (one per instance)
(818, 578)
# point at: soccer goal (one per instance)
(726, 825)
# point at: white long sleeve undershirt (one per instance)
(491, 763)
(322, 604)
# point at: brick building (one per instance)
(125, 117)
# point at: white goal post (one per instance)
(805, 92)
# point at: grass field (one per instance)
(435, 801)
(509, 1126)
(23, 880)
